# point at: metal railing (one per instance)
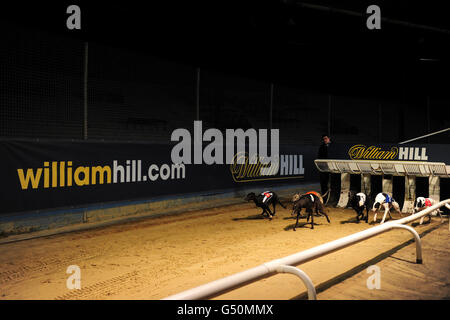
(286, 264)
(425, 136)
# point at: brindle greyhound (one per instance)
(263, 201)
(309, 202)
(297, 196)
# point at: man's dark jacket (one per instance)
(323, 151)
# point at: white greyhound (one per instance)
(387, 202)
(423, 203)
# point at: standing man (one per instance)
(323, 154)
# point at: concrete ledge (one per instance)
(19, 227)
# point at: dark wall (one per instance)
(41, 92)
(135, 96)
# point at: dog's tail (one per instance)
(323, 195)
(281, 204)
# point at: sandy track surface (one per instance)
(154, 258)
(401, 278)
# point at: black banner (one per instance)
(391, 152)
(49, 174)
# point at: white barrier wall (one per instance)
(410, 194)
(345, 189)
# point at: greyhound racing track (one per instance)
(154, 258)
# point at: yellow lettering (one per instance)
(101, 171)
(85, 180)
(69, 174)
(25, 180)
(46, 175)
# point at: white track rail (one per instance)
(285, 265)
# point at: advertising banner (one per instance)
(50, 174)
(391, 152)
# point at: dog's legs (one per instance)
(440, 216)
(397, 208)
(270, 213)
(319, 209)
(386, 211)
(310, 214)
(358, 214)
(423, 218)
(388, 208)
(296, 222)
(367, 214)
(324, 214)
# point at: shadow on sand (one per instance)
(417, 223)
(352, 220)
(306, 225)
(404, 260)
(252, 217)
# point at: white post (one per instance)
(410, 194)
(434, 188)
(365, 183)
(303, 276)
(416, 238)
(345, 189)
(387, 185)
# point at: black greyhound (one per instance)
(309, 202)
(263, 201)
(359, 202)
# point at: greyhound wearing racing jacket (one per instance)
(387, 202)
(359, 202)
(423, 203)
(311, 203)
(263, 201)
(317, 196)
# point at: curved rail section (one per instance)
(285, 265)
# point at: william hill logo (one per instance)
(259, 168)
(361, 152)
